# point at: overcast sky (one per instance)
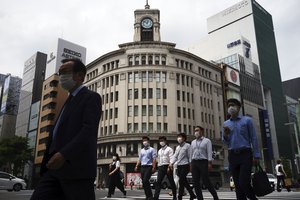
(100, 25)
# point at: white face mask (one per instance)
(145, 143)
(197, 134)
(179, 140)
(66, 81)
(232, 110)
(162, 144)
(114, 158)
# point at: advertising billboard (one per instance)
(64, 49)
(5, 94)
(34, 116)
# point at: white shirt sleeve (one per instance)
(117, 164)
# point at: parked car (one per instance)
(10, 182)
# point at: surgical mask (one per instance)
(197, 134)
(145, 143)
(162, 144)
(66, 81)
(114, 158)
(179, 140)
(232, 110)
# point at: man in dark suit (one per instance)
(68, 168)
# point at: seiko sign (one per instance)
(67, 53)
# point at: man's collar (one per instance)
(237, 118)
(201, 138)
(75, 92)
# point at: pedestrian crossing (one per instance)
(222, 196)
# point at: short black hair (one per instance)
(145, 138)
(235, 101)
(183, 135)
(200, 127)
(78, 66)
(162, 138)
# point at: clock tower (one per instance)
(146, 25)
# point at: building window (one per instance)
(158, 127)
(150, 76)
(150, 127)
(136, 111)
(150, 110)
(150, 93)
(144, 127)
(179, 128)
(143, 60)
(157, 60)
(136, 77)
(178, 95)
(136, 60)
(136, 127)
(164, 93)
(117, 80)
(165, 110)
(144, 76)
(116, 96)
(164, 77)
(136, 93)
(158, 93)
(130, 61)
(188, 96)
(178, 112)
(182, 79)
(183, 96)
(157, 76)
(165, 127)
(144, 93)
(111, 97)
(150, 59)
(144, 110)
(163, 60)
(129, 128)
(189, 113)
(183, 112)
(110, 113)
(178, 78)
(129, 111)
(129, 94)
(158, 110)
(130, 78)
(116, 113)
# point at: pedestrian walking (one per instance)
(201, 159)
(240, 136)
(147, 160)
(280, 174)
(115, 177)
(164, 157)
(68, 169)
(182, 159)
(131, 184)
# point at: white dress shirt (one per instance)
(164, 155)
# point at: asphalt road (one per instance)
(224, 194)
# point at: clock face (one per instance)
(147, 23)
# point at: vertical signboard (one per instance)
(267, 132)
(5, 94)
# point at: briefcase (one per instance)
(260, 182)
(288, 182)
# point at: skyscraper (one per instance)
(250, 20)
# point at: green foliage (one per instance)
(15, 151)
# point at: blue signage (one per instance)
(235, 43)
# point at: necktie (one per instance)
(58, 122)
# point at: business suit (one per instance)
(76, 140)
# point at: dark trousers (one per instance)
(162, 172)
(200, 171)
(280, 180)
(240, 164)
(115, 181)
(146, 172)
(51, 187)
(183, 170)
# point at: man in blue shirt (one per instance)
(147, 160)
(240, 136)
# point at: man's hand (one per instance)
(153, 169)
(209, 167)
(56, 161)
(256, 161)
(136, 168)
(226, 130)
